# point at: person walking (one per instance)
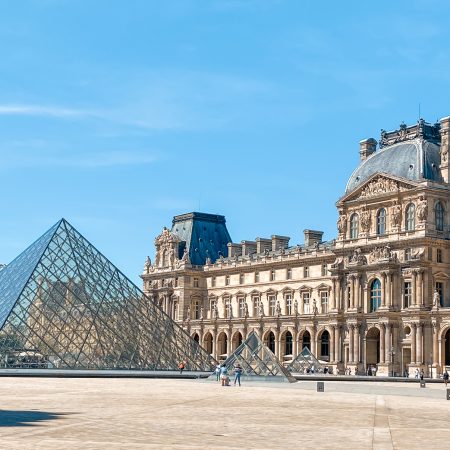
(445, 377)
(217, 372)
(421, 375)
(416, 373)
(237, 374)
(224, 375)
(181, 366)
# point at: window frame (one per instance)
(381, 222)
(354, 226)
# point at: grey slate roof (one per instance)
(205, 235)
(414, 160)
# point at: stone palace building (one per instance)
(377, 295)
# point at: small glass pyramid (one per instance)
(305, 362)
(256, 359)
(64, 305)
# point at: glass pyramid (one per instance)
(256, 358)
(64, 305)
(305, 362)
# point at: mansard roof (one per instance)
(205, 235)
(410, 152)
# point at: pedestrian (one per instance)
(224, 375)
(421, 375)
(416, 373)
(181, 366)
(369, 371)
(445, 377)
(406, 373)
(217, 372)
(237, 374)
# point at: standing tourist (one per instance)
(445, 377)
(181, 366)
(224, 375)
(217, 372)
(421, 375)
(237, 374)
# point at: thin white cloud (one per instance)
(40, 110)
(92, 160)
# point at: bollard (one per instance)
(320, 386)
(448, 394)
(422, 384)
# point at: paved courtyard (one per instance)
(49, 413)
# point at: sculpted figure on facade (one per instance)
(357, 258)
(261, 309)
(185, 257)
(379, 186)
(396, 215)
(215, 312)
(147, 265)
(278, 309)
(296, 307)
(342, 224)
(246, 310)
(365, 218)
(382, 254)
(422, 209)
(436, 299)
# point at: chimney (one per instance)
(445, 148)
(279, 242)
(234, 250)
(366, 148)
(248, 247)
(312, 237)
(263, 244)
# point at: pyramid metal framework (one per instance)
(256, 358)
(305, 362)
(64, 305)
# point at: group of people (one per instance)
(221, 372)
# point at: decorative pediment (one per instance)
(379, 184)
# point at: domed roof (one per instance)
(415, 160)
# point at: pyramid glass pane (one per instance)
(305, 363)
(64, 305)
(256, 359)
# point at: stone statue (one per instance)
(357, 258)
(296, 307)
(188, 313)
(436, 299)
(261, 309)
(396, 215)
(422, 209)
(342, 224)
(215, 312)
(278, 309)
(365, 219)
(185, 257)
(148, 264)
(245, 309)
(202, 313)
(314, 305)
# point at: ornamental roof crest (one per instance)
(166, 237)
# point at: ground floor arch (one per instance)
(372, 347)
(236, 341)
(305, 340)
(222, 346)
(324, 345)
(446, 347)
(270, 341)
(208, 343)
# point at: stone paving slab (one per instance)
(59, 413)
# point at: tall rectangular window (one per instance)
(195, 282)
(255, 301)
(241, 302)
(227, 280)
(213, 281)
(439, 255)
(305, 272)
(272, 305)
(289, 274)
(288, 300)
(440, 291)
(324, 270)
(306, 306)
(407, 294)
(196, 310)
(324, 301)
(227, 308)
(241, 278)
(272, 275)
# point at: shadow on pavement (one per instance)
(26, 418)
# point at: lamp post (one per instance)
(392, 354)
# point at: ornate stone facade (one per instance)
(376, 296)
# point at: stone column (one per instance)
(435, 344)
(333, 294)
(413, 288)
(229, 351)
(383, 289)
(337, 344)
(391, 296)
(278, 346)
(352, 291)
(360, 291)
(387, 301)
(419, 343)
(356, 358)
(420, 287)
(214, 343)
(388, 343)
(350, 343)
(382, 343)
(294, 344)
(413, 343)
(331, 348)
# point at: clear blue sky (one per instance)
(118, 115)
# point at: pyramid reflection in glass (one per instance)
(256, 359)
(64, 305)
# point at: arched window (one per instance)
(354, 226)
(381, 222)
(439, 216)
(375, 295)
(271, 342)
(325, 344)
(288, 345)
(410, 217)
